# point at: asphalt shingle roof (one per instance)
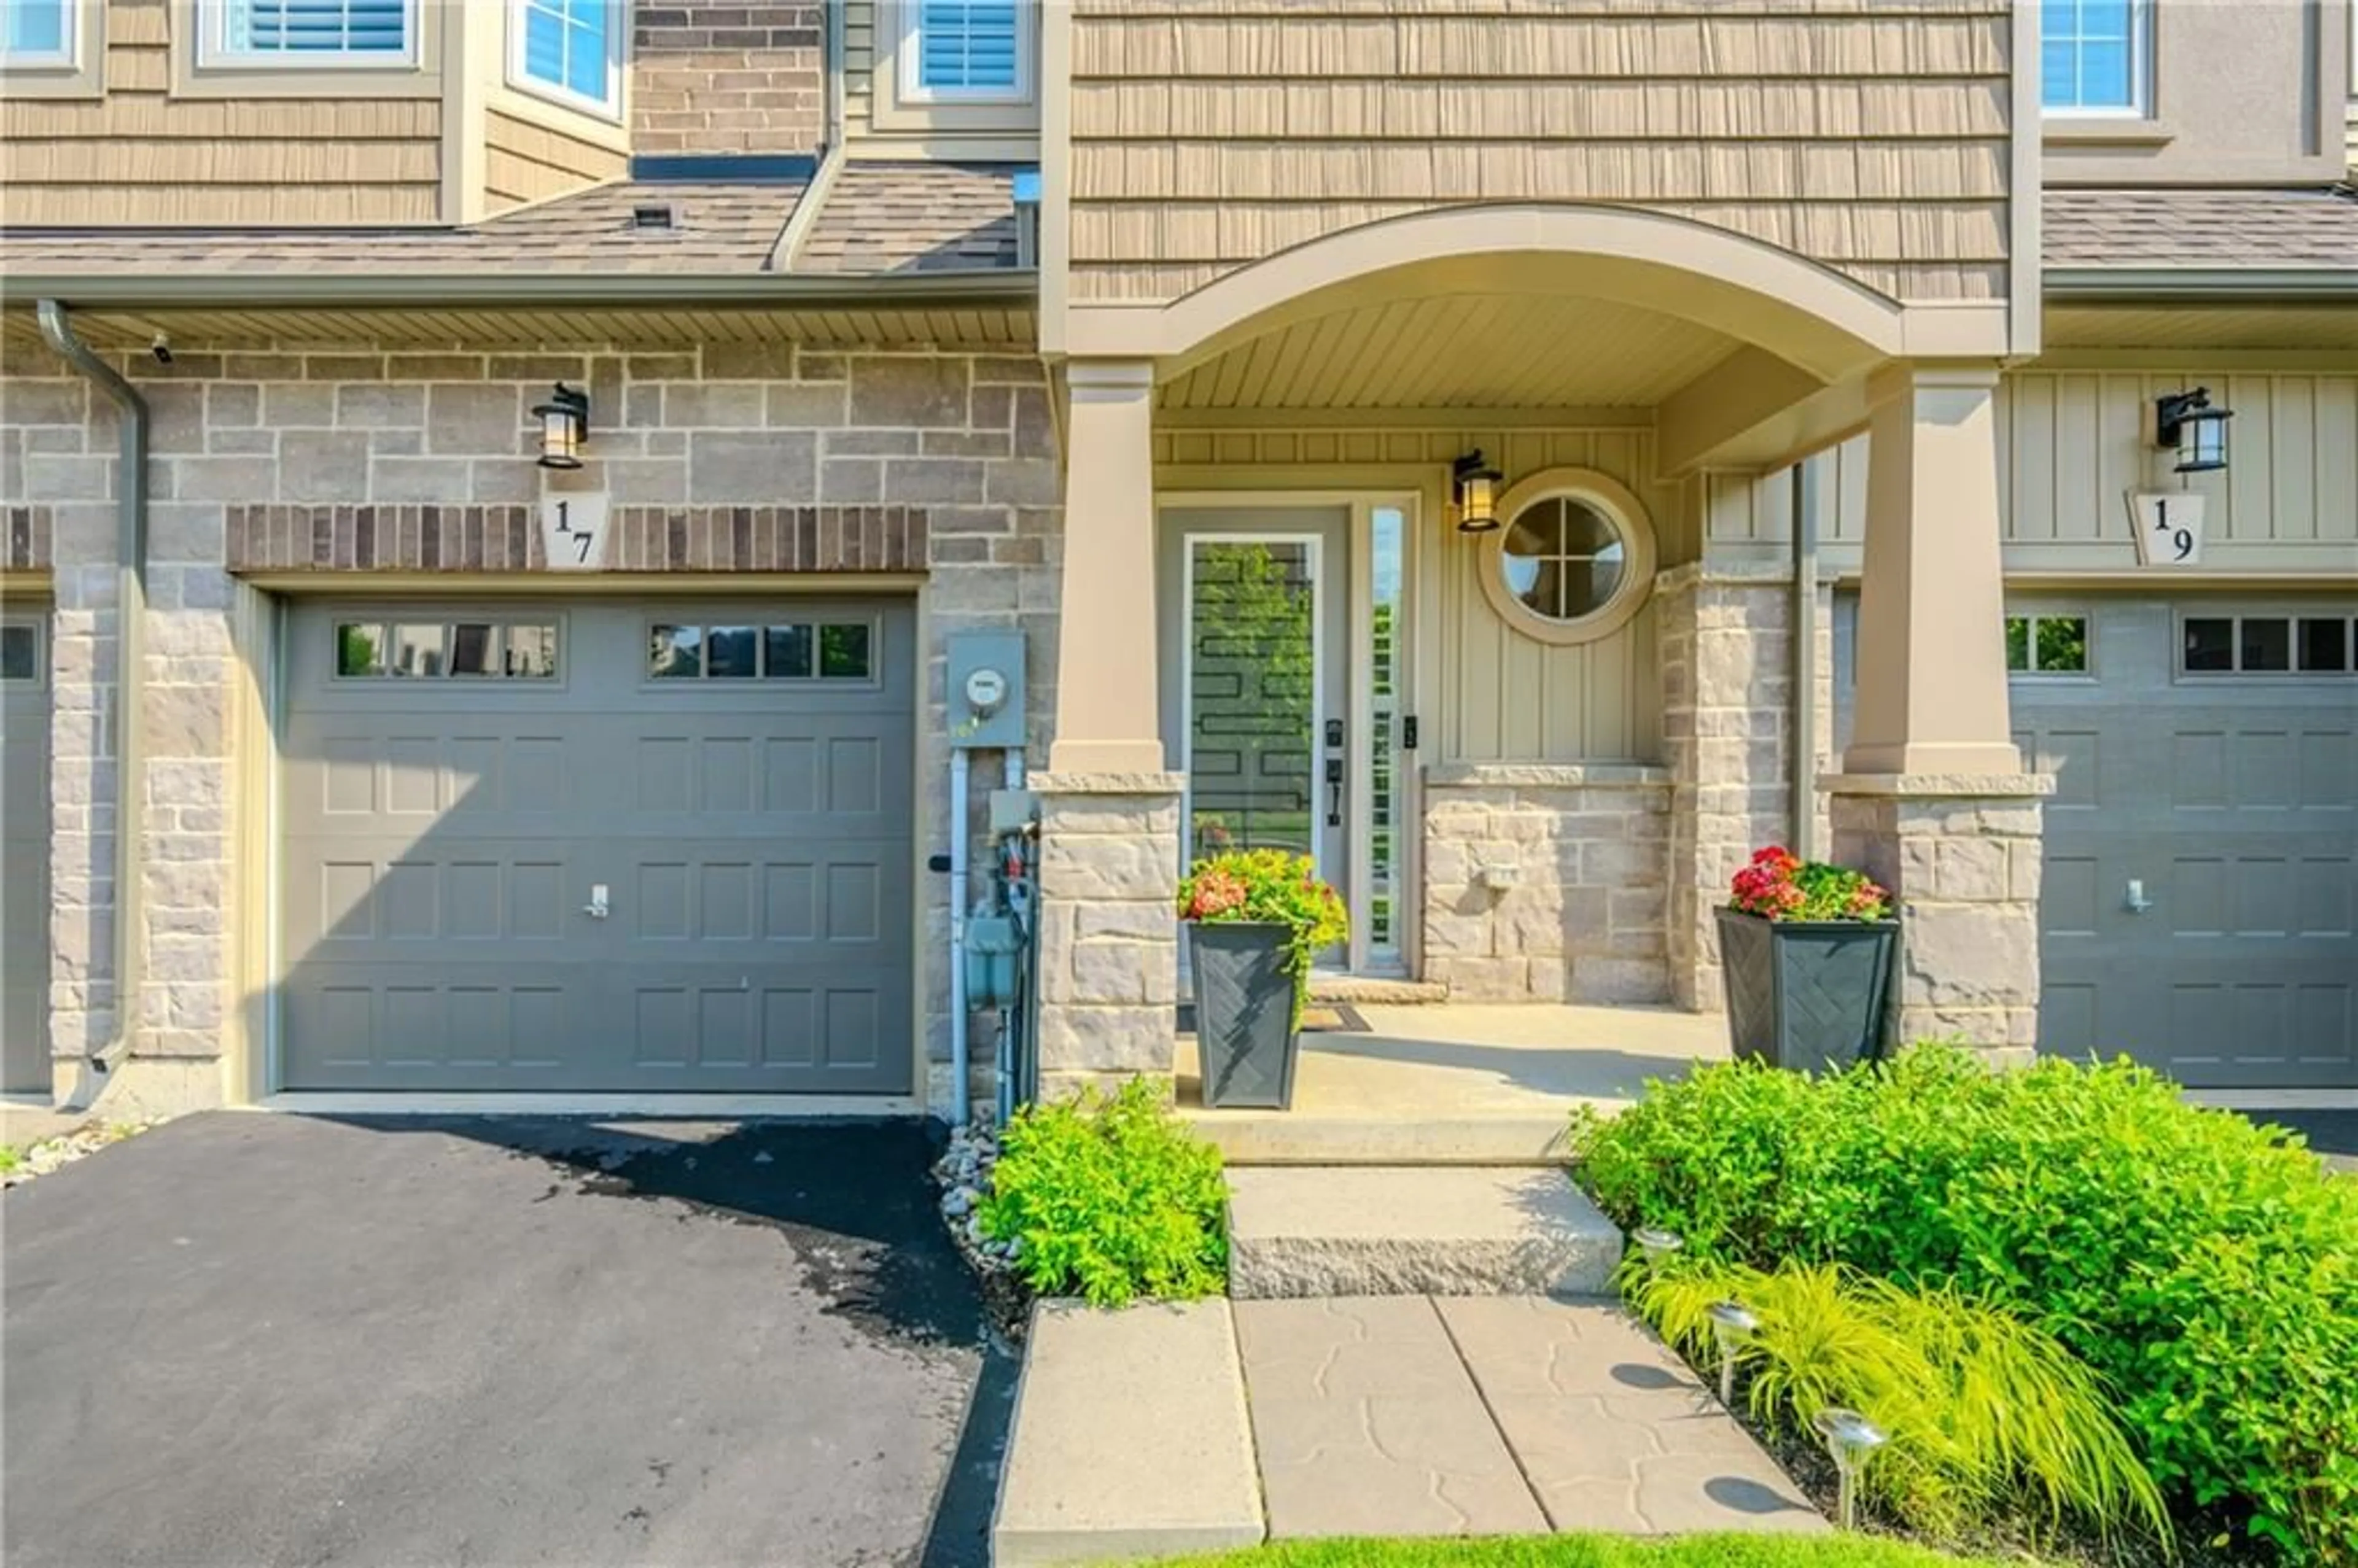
(883, 217)
(716, 228)
(2203, 230)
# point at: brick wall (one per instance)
(1544, 883)
(938, 462)
(746, 77)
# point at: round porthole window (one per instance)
(1573, 561)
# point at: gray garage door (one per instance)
(2201, 887)
(611, 848)
(24, 853)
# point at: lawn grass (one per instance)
(9, 1158)
(1596, 1552)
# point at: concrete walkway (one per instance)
(1163, 1430)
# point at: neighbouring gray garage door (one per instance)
(24, 853)
(2200, 904)
(607, 848)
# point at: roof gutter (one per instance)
(1005, 287)
(130, 625)
(2201, 286)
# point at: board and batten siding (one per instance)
(1488, 692)
(139, 155)
(526, 162)
(1873, 136)
(2073, 444)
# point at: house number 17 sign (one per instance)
(2168, 527)
(573, 532)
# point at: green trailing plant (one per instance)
(1989, 1416)
(1272, 887)
(2205, 1268)
(1110, 1199)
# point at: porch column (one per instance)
(1108, 812)
(1932, 800)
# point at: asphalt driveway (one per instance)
(248, 1340)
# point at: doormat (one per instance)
(1318, 1018)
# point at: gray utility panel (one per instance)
(598, 846)
(2199, 910)
(25, 853)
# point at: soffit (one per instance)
(1469, 350)
(2209, 328)
(565, 331)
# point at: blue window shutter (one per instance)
(967, 45)
(318, 26)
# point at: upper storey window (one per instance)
(569, 52)
(308, 35)
(2095, 56)
(37, 32)
(967, 51)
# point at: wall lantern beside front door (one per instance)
(1475, 487)
(2186, 422)
(564, 427)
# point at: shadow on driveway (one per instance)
(246, 1339)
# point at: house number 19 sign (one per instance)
(2168, 527)
(573, 532)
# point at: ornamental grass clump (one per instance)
(1990, 1419)
(1110, 1199)
(1776, 884)
(2203, 1268)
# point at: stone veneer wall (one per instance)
(947, 451)
(1962, 857)
(1109, 940)
(1580, 850)
(1724, 636)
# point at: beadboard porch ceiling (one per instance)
(1459, 350)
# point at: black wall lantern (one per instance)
(2186, 421)
(564, 427)
(1476, 487)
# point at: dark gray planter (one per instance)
(1244, 1014)
(1806, 994)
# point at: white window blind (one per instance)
(969, 47)
(569, 46)
(313, 28)
(37, 32)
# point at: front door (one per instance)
(1253, 644)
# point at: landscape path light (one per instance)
(1851, 1441)
(1732, 1324)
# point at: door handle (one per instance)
(2135, 903)
(1334, 792)
(596, 909)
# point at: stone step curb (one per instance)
(1295, 1138)
(1414, 1230)
(1130, 1439)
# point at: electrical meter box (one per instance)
(985, 688)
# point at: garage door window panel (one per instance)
(20, 653)
(832, 651)
(2268, 645)
(2047, 645)
(411, 649)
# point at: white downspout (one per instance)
(960, 1105)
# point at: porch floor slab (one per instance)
(1475, 1083)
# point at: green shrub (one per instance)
(1987, 1416)
(2205, 1268)
(1110, 1199)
